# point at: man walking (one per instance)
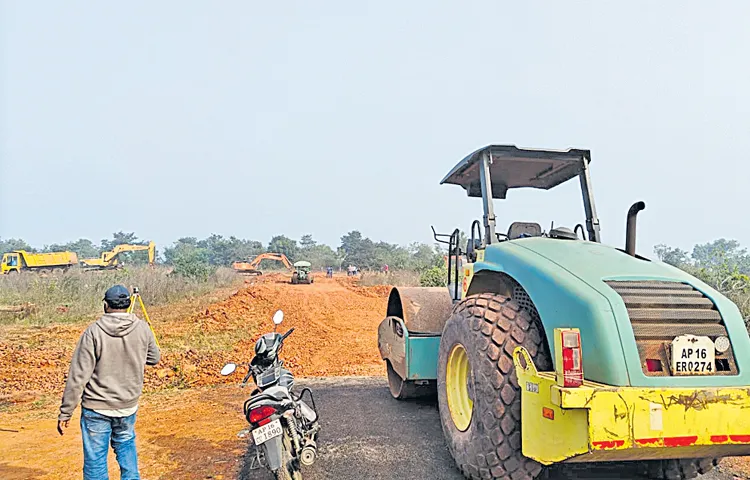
(106, 376)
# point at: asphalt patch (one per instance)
(366, 434)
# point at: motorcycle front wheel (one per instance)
(289, 465)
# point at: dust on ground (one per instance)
(187, 428)
(335, 334)
(189, 417)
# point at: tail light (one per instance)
(260, 415)
(570, 362)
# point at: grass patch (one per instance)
(76, 295)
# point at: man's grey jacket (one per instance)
(106, 372)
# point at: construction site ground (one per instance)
(190, 423)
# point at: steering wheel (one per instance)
(501, 237)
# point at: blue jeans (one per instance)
(98, 431)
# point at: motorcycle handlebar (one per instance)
(247, 377)
(287, 333)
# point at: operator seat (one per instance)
(517, 229)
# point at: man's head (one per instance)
(116, 299)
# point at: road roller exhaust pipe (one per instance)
(630, 227)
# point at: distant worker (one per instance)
(106, 377)
(385, 268)
(329, 272)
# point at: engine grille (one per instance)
(660, 311)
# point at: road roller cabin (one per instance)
(551, 347)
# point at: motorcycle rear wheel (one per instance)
(289, 465)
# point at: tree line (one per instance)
(217, 250)
(723, 264)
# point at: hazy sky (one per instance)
(186, 118)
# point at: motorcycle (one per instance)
(283, 426)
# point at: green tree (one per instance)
(306, 242)
(193, 262)
(181, 245)
(322, 256)
(424, 257)
(119, 238)
(358, 250)
(218, 250)
(242, 249)
(672, 256)
(83, 247)
(10, 244)
(714, 254)
(319, 255)
(395, 256)
(285, 245)
(434, 277)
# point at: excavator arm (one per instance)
(109, 259)
(251, 268)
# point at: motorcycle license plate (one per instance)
(693, 355)
(267, 432)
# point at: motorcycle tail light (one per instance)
(261, 415)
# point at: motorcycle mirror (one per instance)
(278, 317)
(228, 369)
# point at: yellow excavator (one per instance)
(109, 260)
(251, 268)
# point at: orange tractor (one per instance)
(251, 267)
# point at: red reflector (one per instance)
(568, 357)
(260, 413)
(653, 365)
(572, 372)
(548, 413)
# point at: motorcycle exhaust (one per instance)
(308, 454)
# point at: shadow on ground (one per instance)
(8, 472)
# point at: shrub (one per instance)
(434, 277)
(76, 295)
(193, 264)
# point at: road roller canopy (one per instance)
(490, 171)
(512, 167)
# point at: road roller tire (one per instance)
(478, 393)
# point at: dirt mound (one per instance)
(335, 334)
(375, 291)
